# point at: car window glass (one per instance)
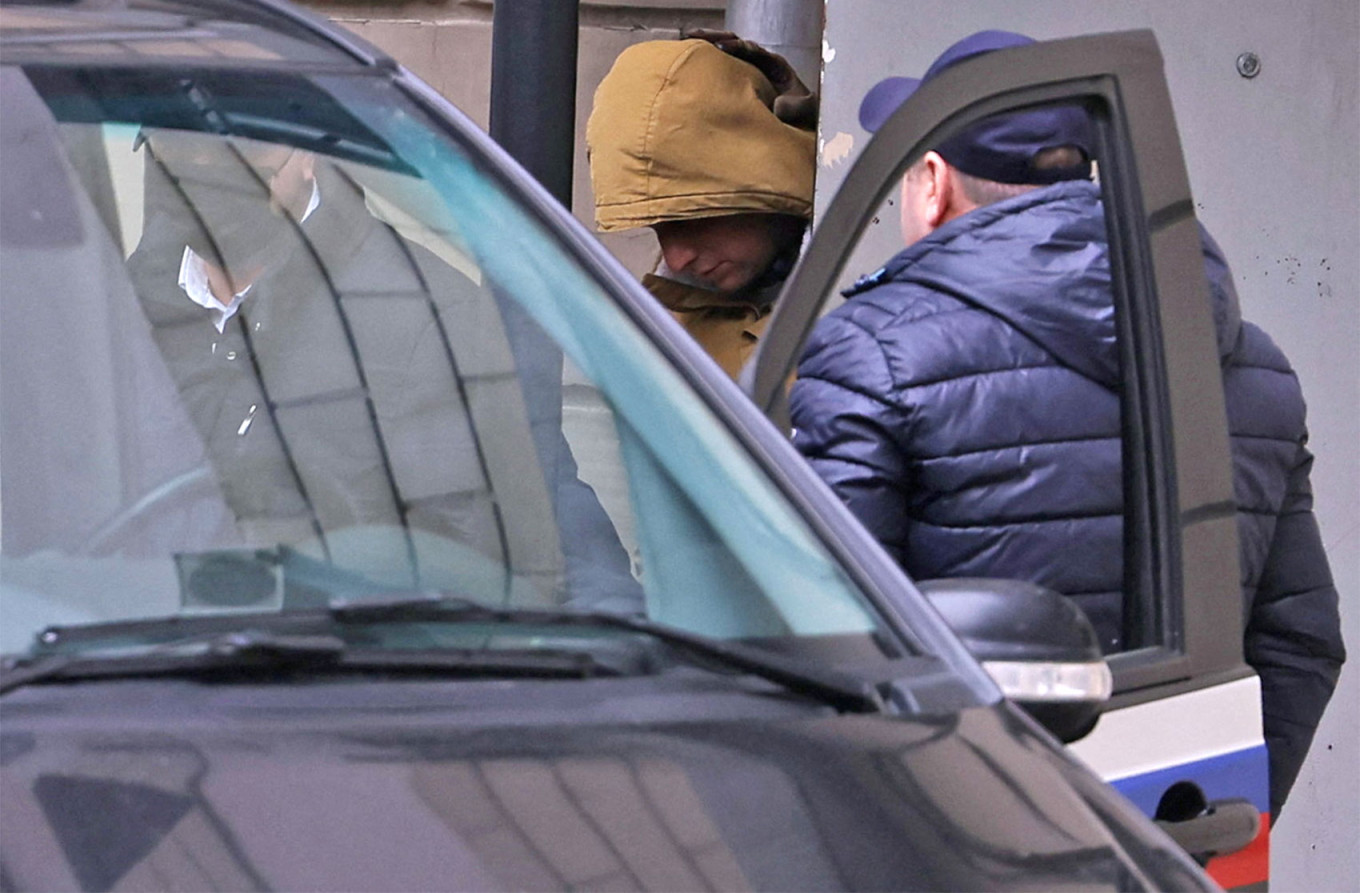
(267, 372)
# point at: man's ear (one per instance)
(940, 196)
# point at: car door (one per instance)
(1181, 736)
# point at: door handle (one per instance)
(1225, 826)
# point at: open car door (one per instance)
(1181, 736)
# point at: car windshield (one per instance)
(272, 342)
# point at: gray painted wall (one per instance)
(1275, 169)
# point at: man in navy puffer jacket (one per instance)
(964, 402)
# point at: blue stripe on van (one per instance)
(1241, 773)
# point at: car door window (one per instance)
(1179, 556)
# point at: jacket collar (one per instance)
(1039, 260)
(681, 297)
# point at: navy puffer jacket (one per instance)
(964, 402)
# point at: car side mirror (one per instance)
(1036, 644)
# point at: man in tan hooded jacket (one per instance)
(710, 142)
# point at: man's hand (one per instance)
(794, 103)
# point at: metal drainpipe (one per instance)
(533, 87)
(791, 28)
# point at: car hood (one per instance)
(542, 785)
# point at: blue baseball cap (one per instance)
(1000, 148)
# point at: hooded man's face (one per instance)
(723, 254)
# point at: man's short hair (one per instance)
(985, 192)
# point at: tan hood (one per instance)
(680, 129)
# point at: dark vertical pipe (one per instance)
(533, 87)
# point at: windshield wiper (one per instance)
(837, 689)
(235, 649)
(840, 690)
(254, 651)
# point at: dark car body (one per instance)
(311, 596)
(531, 785)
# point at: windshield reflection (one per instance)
(290, 367)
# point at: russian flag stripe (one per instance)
(1210, 737)
(1242, 773)
(1174, 731)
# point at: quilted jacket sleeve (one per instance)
(1293, 636)
(844, 425)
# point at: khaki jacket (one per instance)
(681, 129)
(727, 329)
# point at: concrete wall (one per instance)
(1275, 169)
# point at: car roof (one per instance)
(201, 33)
